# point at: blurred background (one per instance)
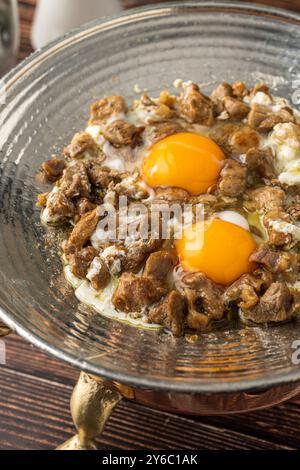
(29, 24)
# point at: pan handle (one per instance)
(92, 402)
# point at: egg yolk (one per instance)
(186, 160)
(219, 249)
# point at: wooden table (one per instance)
(35, 391)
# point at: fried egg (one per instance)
(186, 160)
(219, 247)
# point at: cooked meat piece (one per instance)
(259, 87)
(53, 169)
(283, 116)
(261, 161)
(82, 232)
(109, 106)
(265, 276)
(123, 133)
(82, 143)
(101, 176)
(274, 306)
(195, 107)
(233, 178)
(264, 120)
(42, 200)
(167, 99)
(204, 299)
(80, 261)
(244, 292)
(235, 139)
(138, 252)
(222, 90)
(294, 211)
(98, 274)
(236, 108)
(169, 312)
(275, 237)
(239, 89)
(275, 261)
(222, 135)
(264, 199)
(75, 182)
(242, 140)
(132, 187)
(152, 111)
(135, 293)
(161, 130)
(218, 94)
(159, 265)
(172, 195)
(296, 302)
(58, 207)
(84, 205)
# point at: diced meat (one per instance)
(80, 261)
(277, 238)
(263, 119)
(53, 169)
(218, 94)
(233, 178)
(58, 207)
(265, 198)
(82, 232)
(242, 140)
(101, 176)
(161, 130)
(275, 261)
(82, 143)
(261, 161)
(107, 107)
(172, 194)
(239, 89)
(137, 253)
(204, 299)
(135, 293)
(98, 274)
(159, 265)
(75, 181)
(42, 200)
(132, 187)
(167, 99)
(235, 139)
(274, 306)
(195, 107)
(235, 108)
(259, 87)
(84, 205)
(294, 212)
(244, 292)
(152, 111)
(170, 313)
(121, 133)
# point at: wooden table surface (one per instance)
(35, 390)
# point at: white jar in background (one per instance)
(53, 18)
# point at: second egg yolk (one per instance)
(219, 249)
(186, 160)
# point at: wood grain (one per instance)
(35, 389)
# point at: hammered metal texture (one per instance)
(47, 100)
